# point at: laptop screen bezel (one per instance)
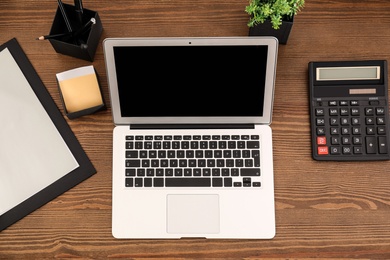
(271, 42)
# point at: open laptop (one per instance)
(192, 145)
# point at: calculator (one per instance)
(349, 113)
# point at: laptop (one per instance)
(192, 142)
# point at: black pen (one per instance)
(85, 27)
(62, 9)
(78, 4)
(52, 36)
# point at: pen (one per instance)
(52, 36)
(79, 9)
(85, 27)
(61, 6)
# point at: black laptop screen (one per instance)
(182, 81)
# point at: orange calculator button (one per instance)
(323, 150)
(321, 140)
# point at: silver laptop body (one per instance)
(168, 89)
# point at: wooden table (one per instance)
(323, 209)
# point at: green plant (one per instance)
(273, 10)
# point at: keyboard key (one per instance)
(148, 182)
(188, 172)
(158, 182)
(138, 182)
(188, 182)
(129, 182)
(131, 154)
(253, 144)
(140, 172)
(133, 163)
(169, 172)
(217, 182)
(234, 172)
(130, 172)
(227, 182)
(246, 180)
(256, 158)
(250, 172)
(225, 172)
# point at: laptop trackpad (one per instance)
(197, 214)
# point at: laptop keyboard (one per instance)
(192, 161)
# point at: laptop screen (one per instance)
(191, 80)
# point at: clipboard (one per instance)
(83, 166)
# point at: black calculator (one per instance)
(349, 110)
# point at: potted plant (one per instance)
(272, 17)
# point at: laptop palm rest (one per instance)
(193, 214)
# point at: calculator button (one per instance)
(355, 111)
(381, 130)
(320, 121)
(335, 150)
(357, 150)
(357, 140)
(380, 121)
(344, 121)
(322, 150)
(371, 144)
(333, 111)
(345, 131)
(369, 121)
(369, 111)
(320, 131)
(374, 102)
(343, 103)
(320, 112)
(346, 140)
(332, 103)
(333, 121)
(354, 103)
(356, 131)
(370, 131)
(355, 121)
(382, 144)
(347, 150)
(321, 140)
(344, 112)
(380, 111)
(334, 131)
(335, 140)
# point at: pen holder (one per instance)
(85, 44)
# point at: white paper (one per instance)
(74, 73)
(33, 154)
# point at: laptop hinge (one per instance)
(192, 126)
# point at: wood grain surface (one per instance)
(323, 209)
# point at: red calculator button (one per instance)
(323, 150)
(321, 140)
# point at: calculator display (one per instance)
(348, 73)
(349, 110)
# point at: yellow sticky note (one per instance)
(80, 89)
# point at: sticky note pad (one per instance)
(80, 91)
